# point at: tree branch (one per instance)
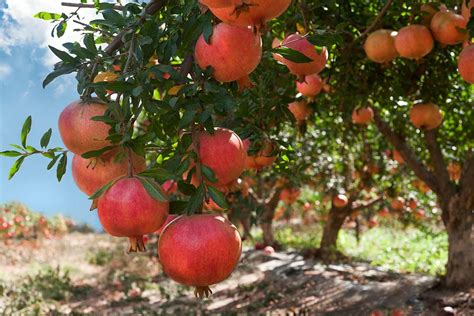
(439, 165)
(466, 183)
(367, 205)
(406, 152)
(376, 21)
(88, 6)
(150, 9)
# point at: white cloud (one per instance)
(19, 27)
(5, 70)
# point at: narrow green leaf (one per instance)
(16, 166)
(44, 142)
(61, 169)
(25, 130)
(157, 172)
(96, 153)
(90, 43)
(196, 201)
(218, 197)
(53, 162)
(63, 70)
(48, 154)
(47, 16)
(186, 188)
(292, 55)
(62, 55)
(10, 153)
(208, 173)
(97, 194)
(61, 28)
(153, 188)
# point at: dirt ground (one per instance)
(282, 283)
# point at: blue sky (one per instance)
(24, 62)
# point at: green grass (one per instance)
(403, 250)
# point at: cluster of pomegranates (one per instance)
(417, 40)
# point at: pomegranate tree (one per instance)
(414, 41)
(233, 52)
(79, 132)
(380, 46)
(199, 250)
(126, 209)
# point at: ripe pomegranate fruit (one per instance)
(219, 3)
(384, 212)
(466, 10)
(300, 110)
(92, 174)
(224, 153)
(79, 133)
(170, 186)
(426, 116)
(362, 116)
(311, 86)
(289, 195)
(251, 12)
(419, 214)
(127, 210)
(428, 10)
(169, 219)
(397, 203)
(414, 41)
(380, 46)
(340, 200)
(264, 158)
(302, 45)
(199, 250)
(447, 28)
(233, 52)
(466, 63)
(412, 204)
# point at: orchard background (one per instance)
(304, 145)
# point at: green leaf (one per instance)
(25, 130)
(218, 197)
(48, 154)
(97, 194)
(208, 173)
(10, 153)
(196, 201)
(153, 188)
(47, 16)
(186, 188)
(53, 162)
(90, 43)
(325, 38)
(292, 55)
(16, 166)
(46, 138)
(63, 70)
(61, 169)
(61, 28)
(114, 17)
(96, 153)
(177, 207)
(187, 119)
(157, 172)
(62, 55)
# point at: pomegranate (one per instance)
(419, 214)
(300, 110)
(212, 206)
(92, 174)
(412, 204)
(302, 45)
(127, 210)
(372, 223)
(398, 157)
(311, 86)
(79, 133)
(199, 250)
(224, 153)
(225, 52)
(169, 219)
(269, 250)
(428, 10)
(380, 46)
(251, 12)
(384, 212)
(426, 116)
(340, 200)
(362, 116)
(414, 41)
(449, 28)
(170, 186)
(397, 203)
(264, 158)
(289, 195)
(466, 11)
(466, 63)
(276, 43)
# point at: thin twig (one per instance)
(376, 21)
(88, 6)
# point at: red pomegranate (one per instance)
(412, 204)
(311, 86)
(169, 219)
(449, 28)
(233, 53)
(276, 43)
(212, 206)
(127, 210)
(220, 3)
(380, 46)
(251, 12)
(264, 158)
(384, 213)
(79, 133)
(362, 116)
(289, 195)
(199, 250)
(466, 11)
(398, 157)
(340, 200)
(302, 45)
(300, 110)
(420, 214)
(414, 41)
(170, 186)
(466, 63)
(426, 116)
(397, 203)
(92, 174)
(224, 153)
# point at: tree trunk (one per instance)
(460, 228)
(336, 219)
(266, 219)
